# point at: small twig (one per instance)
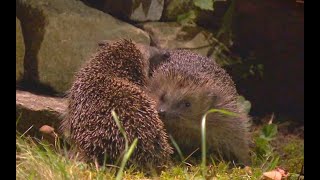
(301, 173)
(96, 164)
(271, 118)
(186, 163)
(114, 166)
(191, 154)
(26, 131)
(56, 140)
(194, 175)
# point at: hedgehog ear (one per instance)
(104, 43)
(158, 56)
(165, 54)
(212, 97)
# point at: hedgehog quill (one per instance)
(188, 85)
(113, 79)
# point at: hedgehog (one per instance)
(185, 87)
(113, 79)
(153, 56)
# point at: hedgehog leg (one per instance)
(239, 148)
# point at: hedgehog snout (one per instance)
(167, 114)
(166, 55)
(162, 112)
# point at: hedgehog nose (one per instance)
(162, 113)
(166, 55)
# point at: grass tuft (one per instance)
(129, 151)
(37, 159)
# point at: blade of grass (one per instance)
(116, 119)
(177, 148)
(273, 163)
(128, 151)
(203, 136)
(180, 154)
(126, 158)
(18, 119)
(203, 145)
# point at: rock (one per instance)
(139, 11)
(19, 51)
(34, 111)
(62, 34)
(172, 35)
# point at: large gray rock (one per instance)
(135, 10)
(19, 51)
(62, 34)
(33, 111)
(172, 35)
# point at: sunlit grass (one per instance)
(203, 137)
(128, 150)
(36, 159)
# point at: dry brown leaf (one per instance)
(272, 175)
(248, 170)
(46, 129)
(283, 172)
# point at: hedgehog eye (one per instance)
(162, 97)
(187, 104)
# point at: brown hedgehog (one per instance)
(186, 87)
(153, 56)
(113, 79)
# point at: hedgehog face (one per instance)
(180, 100)
(172, 106)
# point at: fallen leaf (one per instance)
(248, 170)
(46, 129)
(283, 172)
(272, 175)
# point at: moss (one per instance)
(292, 154)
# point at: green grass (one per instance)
(37, 159)
(203, 137)
(128, 150)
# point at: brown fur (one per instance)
(112, 79)
(186, 87)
